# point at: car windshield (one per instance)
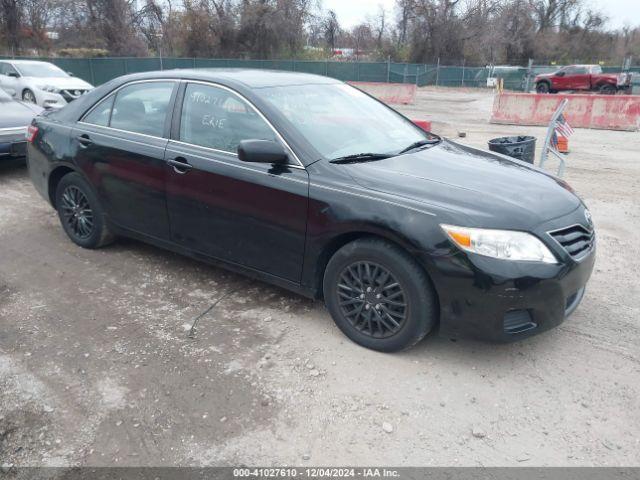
(340, 121)
(40, 70)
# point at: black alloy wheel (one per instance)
(77, 212)
(80, 213)
(372, 299)
(379, 296)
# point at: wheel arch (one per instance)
(54, 179)
(24, 89)
(340, 240)
(605, 83)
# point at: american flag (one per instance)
(563, 128)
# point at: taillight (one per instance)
(32, 131)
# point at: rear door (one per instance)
(120, 146)
(250, 214)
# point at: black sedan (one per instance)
(310, 184)
(15, 117)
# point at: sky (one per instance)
(352, 12)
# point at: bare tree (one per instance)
(11, 17)
(331, 30)
(115, 21)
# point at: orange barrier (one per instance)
(563, 144)
(423, 124)
(608, 112)
(401, 93)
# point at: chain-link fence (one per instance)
(100, 70)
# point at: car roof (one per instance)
(249, 78)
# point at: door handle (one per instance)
(84, 140)
(180, 165)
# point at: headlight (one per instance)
(49, 88)
(503, 244)
(623, 79)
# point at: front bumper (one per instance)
(50, 100)
(13, 142)
(60, 99)
(500, 300)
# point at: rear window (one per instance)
(142, 108)
(138, 108)
(101, 113)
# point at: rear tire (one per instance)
(81, 214)
(379, 296)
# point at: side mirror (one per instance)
(560, 74)
(262, 151)
(70, 74)
(14, 74)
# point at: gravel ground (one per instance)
(96, 366)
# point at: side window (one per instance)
(216, 118)
(101, 113)
(142, 108)
(6, 69)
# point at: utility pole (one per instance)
(159, 44)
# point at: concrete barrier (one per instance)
(399, 93)
(423, 124)
(607, 112)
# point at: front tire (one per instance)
(29, 96)
(608, 89)
(379, 296)
(80, 213)
(543, 87)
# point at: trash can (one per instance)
(522, 148)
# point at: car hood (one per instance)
(17, 114)
(63, 83)
(492, 190)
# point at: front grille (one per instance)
(71, 94)
(576, 240)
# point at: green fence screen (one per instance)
(100, 70)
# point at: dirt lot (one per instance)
(96, 367)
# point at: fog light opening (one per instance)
(518, 321)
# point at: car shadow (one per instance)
(13, 165)
(463, 350)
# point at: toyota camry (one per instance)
(312, 185)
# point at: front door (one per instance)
(9, 79)
(250, 214)
(120, 146)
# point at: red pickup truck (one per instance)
(582, 77)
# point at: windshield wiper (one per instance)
(418, 144)
(360, 157)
